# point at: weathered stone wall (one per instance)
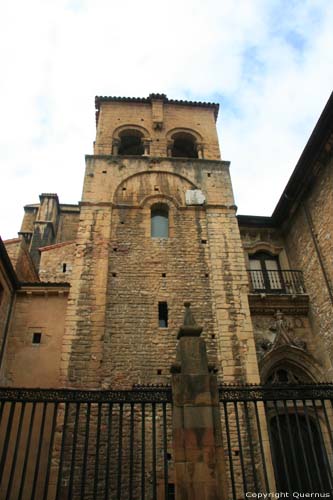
(20, 258)
(309, 242)
(6, 290)
(56, 263)
(197, 119)
(29, 217)
(112, 335)
(37, 310)
(68, 223)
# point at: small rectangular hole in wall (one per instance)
(163, 275)
(114, 274)
(36, 338)
(163, 314)
(206, 275)
(115, 249)
(159, 372)
(213, 336)
(156, 188)
(122, 222)
(124, 189)
(103, 171)
(208, 175)
(204, 242)
(64, 267)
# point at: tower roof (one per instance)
(155, 96)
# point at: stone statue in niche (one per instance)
(284, 333)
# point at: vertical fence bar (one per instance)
(49, 460)
(284, 458)
(130, 486)
(40, 444)
(308, 424)
(120, 450)
(231, 467)
(62, 451)
(143, 451)
(249, 432)
(98, 437)
(329, 430)
(27, 450)
(2, 404)
(72, 467)
(108, 453)
(7, 438)
(291, 440)
(85, 452)
(17, 443)
(153, 411)
(240, 450)
(322, 445)
(261, 445)
(165, 452)
(308, 473)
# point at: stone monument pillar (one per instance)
(197, 437)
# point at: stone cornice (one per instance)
(270, 303)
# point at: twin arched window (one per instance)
(159, 221)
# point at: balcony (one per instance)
(286, 282)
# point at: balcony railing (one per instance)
(278, 282)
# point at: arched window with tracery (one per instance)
(159, 221)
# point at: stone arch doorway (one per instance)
(298, 435)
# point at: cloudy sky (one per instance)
(269, 63)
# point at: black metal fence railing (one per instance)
(71, 444)
(278, 438)
(57, 444)
(287, 282)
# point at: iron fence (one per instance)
(117, 445)
(277, 281)
(278, 438)
(57, 444)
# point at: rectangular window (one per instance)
(36, 338)
(163, 314)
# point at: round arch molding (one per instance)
(178, 130)
(130, 127)
(141, 186)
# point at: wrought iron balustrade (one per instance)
(277, 281)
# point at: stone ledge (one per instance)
(270, 303)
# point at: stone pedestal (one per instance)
(197, 437)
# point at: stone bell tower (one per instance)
(157, 228)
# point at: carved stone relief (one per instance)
(279, 330)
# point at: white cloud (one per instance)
(270, 61)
